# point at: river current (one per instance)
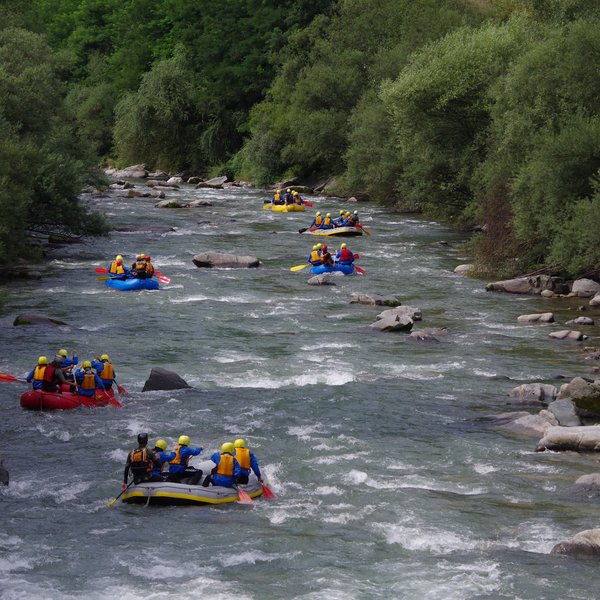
(389, 482)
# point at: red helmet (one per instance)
(324, 247)
(147, 257)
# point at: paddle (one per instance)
(112, 400)
(6, 378)
(359, 269)
(267, 206)
(299, 267)
(359, 226)
(303, 229)
(243, 497)
(267, 493)
(309, 204)
(111, 503)
(122, 390)
(164, 279)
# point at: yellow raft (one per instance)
(284, 207)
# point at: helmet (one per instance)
(119, 257)
(324, 247)
(318, 213)
(294, 193)
(142, 438)
(355, 212)
(347, 213)
(58, 359)
(86, 364)
(105, 357)
(342, 211)
(279, 191)
(184, 440)
(319, 246)
(161, 444)
(343, 246)
(42, 360)
(288, 190)
(138, 257)
(63, 352)
(239, 443)
(227, 447)
(328, 214)
(315, 247)
(147, 257)
(142, 256)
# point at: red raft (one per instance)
(38, 400)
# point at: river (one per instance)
(389, 483)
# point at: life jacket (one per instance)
(345, 254)
(49, 374)
(242, 455)
(116, 269)
(318, 220)
(327, 260)
(327, 222)
(225, 466)
(107, 372)
(298, 199)
(315, 256)
(140, 463)
(140, 266)
(178, 459)
(277, 198)
(149, 268)
(88, 382)
(38, 374)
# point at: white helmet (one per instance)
(288, 190)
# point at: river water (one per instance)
(389, 483)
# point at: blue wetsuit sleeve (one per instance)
(237, 471)
(98, 366)
(254, 464)
(30, 376)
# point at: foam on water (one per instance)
(252, 557)
(254, 379)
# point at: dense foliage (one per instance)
(477, 112)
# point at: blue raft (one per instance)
(132, 284)
(345, 269)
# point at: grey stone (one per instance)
(162, 379)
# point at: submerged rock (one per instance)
(375, 299)
(220, 260)
(4, 477)
(29, 319)
(162, 379)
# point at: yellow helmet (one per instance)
(105, 357)
(62, 352)
(342, 211)
(319, 246)
(343, 246)
(279, 191)
(42, 360)
(184, 440)
(227, 447)
(315, 247)
(161, 444)
(294, 193)
(347, 213)
(318, 213)
(239, 443)
(328, 214)
(86, 364)
(119, 257)
(142, 256)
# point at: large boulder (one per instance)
(565, 412)
(464, 269)
(393, 322)
(131, 172)
(536, 318)
(532, 394)
(29, 319)
(568, 334)
(585, 394)
(577, 439)
(225, 261)
(214, 183)
(585, 288)
(402, 311)
(584, 543)
(534, 425)
(161, 379)
(528, 285)
(322, 279)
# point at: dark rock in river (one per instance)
(161, 379)
(219, 260)
(29, 319)
(3, 474)
(584, 543)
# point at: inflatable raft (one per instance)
(285, 207)
(345, 269)
(38, 400)
(132, 284)
(336, 231)
(167, 493)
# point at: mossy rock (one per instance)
(589, 404)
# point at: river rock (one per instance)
(537, 318)
(527, 424)
(29, 319)
(158, 175)
(215, 183)
(169, 203)
(162, 379)
(322, 279)
(4, 477)
(585, 288)
(532, 394)
(402, 311)
(565, 412)
(585, 394)
(584, 543)
(174, 180)
(131, 172)
(591, 481)
(464, 269)
(577, 439)
(566, 334)
(199, 202)
(580, 321)
(194, 179)
(375, 299)
(145, 228)
(528, 285)
(393, 322)
(421, 335)
(225, 261)
(595, 301)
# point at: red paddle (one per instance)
(6, 378)
(122, 390)
(244, 497)
(111, 399)
(309, 204)
(267, 493)
(359, 270)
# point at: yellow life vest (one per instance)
(318, 220)
(225, 466)
(327, 221)
(38, 374)
(116, 269)
(314, 255)
(177, 460)
(89, 382)
(107, 372)
(276, 197)
(242, 455)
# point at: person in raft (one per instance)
(314, 258)
(140, 462)
(344, 256)
(246, 460)
(326, 257)
(297, 198)
(327, 222)
(289, 197)
(36, 375)
(227, 470)
(160, 451)
(138, 268)
(149, 268)
(338, 222)
(317, 221)
(68, 364)
(104, 368)
(277, 197)
(179, 466)
(53, 376)
(88, 380)
(117, 270)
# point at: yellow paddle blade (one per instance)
(103, 277)
(109, 504)
(299, 267)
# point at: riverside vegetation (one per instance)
(473, 112)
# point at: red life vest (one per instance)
(149, 268)
(225, 466)
(242, 455)
(345, 254)
(49, 374)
